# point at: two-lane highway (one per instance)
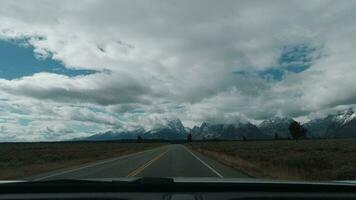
(167, 161)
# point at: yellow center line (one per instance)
(141, 168)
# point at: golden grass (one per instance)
(333, 159)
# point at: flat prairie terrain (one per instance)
(327, 159)
(19, 160)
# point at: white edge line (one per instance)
(208, 166)
(94, 164)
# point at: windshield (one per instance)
(190, 89)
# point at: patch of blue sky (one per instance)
(24, 122)
(297, 58)
(18, 60)
(272, 74)
(293, 59)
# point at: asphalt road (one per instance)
(168, 161)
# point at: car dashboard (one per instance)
(168, 189)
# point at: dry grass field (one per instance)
(329, 159)
(19, 160)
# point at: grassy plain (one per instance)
(20, 160)
(327, 159)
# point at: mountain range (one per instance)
(339, 125)
(276, 127)
(172, 130)
(237, 130)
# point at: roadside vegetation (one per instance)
(20, 160)
(326, 159)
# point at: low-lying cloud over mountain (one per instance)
(339, 125)
(237, 130)
(276, 127)
(71, 69)
(171, 130)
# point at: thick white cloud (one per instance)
(103, 89)
(162, 59)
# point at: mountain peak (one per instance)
(341, 124)
(276, 126)
(275, 120)
(345, 116)
(176, 125)
(229, 129)
(348, 111)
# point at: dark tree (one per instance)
(297, 131)
(244, 138)
(139, 138)
(276, 136)
(189, 138)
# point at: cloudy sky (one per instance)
(74, 68)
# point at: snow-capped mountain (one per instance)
(317, 127)
(345, 117)
(171, 130)
(236, 130)
(343, 125)
(276, 126)
(177, 126)
(340, 125)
